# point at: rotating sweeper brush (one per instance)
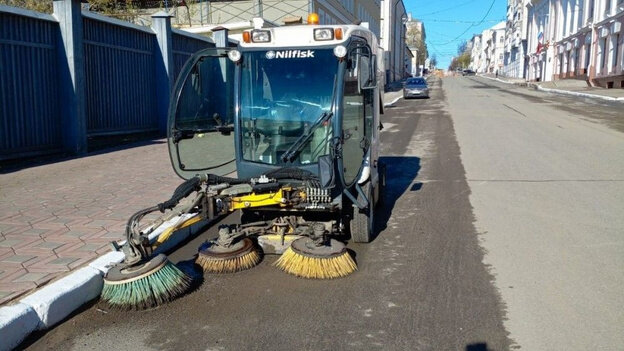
(317, 257)
(227, 254)
(148, 284)
(144, 279)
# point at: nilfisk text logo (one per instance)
(289, 54)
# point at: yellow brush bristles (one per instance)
(316, 267)
(229, 265)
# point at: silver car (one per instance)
(415, 87)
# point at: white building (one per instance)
(589, 43)
(498, 47)
(418, 55)
(392, 38)
(487, 50)
(476, 53)
(516, 39)
(237, 15)
(579, 39)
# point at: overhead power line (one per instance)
(474, 25)
(448, 8)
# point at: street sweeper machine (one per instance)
(284, 128)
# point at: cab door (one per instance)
(201, 116)
(357, 113)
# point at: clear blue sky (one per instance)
(448, 23)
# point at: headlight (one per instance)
(234, 55)
(321, 34)
(340, 51)
(260, 36)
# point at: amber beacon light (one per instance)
(313, 18)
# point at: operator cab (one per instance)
(285, 97)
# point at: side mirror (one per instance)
(366, 77)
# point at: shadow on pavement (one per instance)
(479, 346)
(400, 174)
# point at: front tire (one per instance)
(362, 224)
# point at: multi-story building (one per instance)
(515, 39)
(607, 64)
(416, 44)
(498, 47)
(476, 53)
(392, 38)
(579, 39)
(540, 35)
(487, 50)
(237, 15)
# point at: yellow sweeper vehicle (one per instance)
(283, 127)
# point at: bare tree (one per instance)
(433, 61)
(414, 40)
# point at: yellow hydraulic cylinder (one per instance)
(258, 200)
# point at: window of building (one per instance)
(586, 58)
(615, 41)
(590, 13)
(602, 57)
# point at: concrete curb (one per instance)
(16, 322)
(576, 93)
(560, 91)
(496, 79)
(47, 306)
(392, 102)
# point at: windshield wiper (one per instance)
(180, 134)
(294, 149)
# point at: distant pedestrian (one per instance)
(496, 73)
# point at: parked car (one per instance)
(468, 72)
(415, 87)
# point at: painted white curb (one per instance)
(105, 262)
(392, 102)
(57, 300)
(496, 79)
(576, 93)
(565, 92)
(16, 322)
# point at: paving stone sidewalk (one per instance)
(59, 216)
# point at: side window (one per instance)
(357, 107)
(201, 104)
(199, 140)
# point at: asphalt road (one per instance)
(546, 175)
(501, 230)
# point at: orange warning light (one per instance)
(313, 18)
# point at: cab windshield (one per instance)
(283, 93)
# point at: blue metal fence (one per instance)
(121, 61)
(119, 72)
(185, 45)
(29, 106)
